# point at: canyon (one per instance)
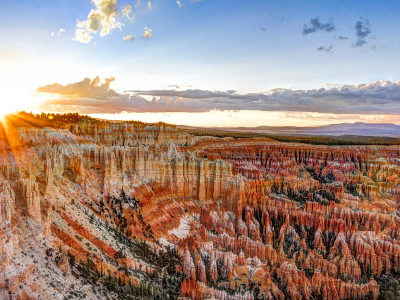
(129, 210)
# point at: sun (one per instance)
(7, 108)
(12, 102)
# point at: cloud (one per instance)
(89, 96)
(60, 31)
(128, 38)
(359, 43)
(340, 37)
(126, 11)
(325, 48)
(149, 5)
(363, 29)
(102, 19)
(316, 25)
(82, 36)
(138, 3)
(147, 33)
(178, 86)
(85, 88)
(179, 3)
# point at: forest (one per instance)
(313, 140)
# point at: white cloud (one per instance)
(52, 33)
(147, 33)
(126, 11)
(128, 38)
(102, 19)
(179, 3)
(82, 36)
(149, 4)
(61, 31)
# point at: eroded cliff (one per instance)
(103, 210)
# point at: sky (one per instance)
(203, 63)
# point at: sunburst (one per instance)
(11, 144)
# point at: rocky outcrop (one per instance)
(249, 219)
(7, 201)
(28, 198)
(131, 134)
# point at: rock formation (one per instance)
(244, 219)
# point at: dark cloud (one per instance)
(262, 28)
(316, 25)
(340, 37)
(325, 48)
(92, 88)
(381, 97)
(363, 29)
(359, 43)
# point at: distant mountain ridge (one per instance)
(358, 128)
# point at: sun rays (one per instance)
(13, 147)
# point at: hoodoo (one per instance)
(103, 210)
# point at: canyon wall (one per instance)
(247, 219)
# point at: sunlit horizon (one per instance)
(251, 64)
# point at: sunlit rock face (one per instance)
(105, 209)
